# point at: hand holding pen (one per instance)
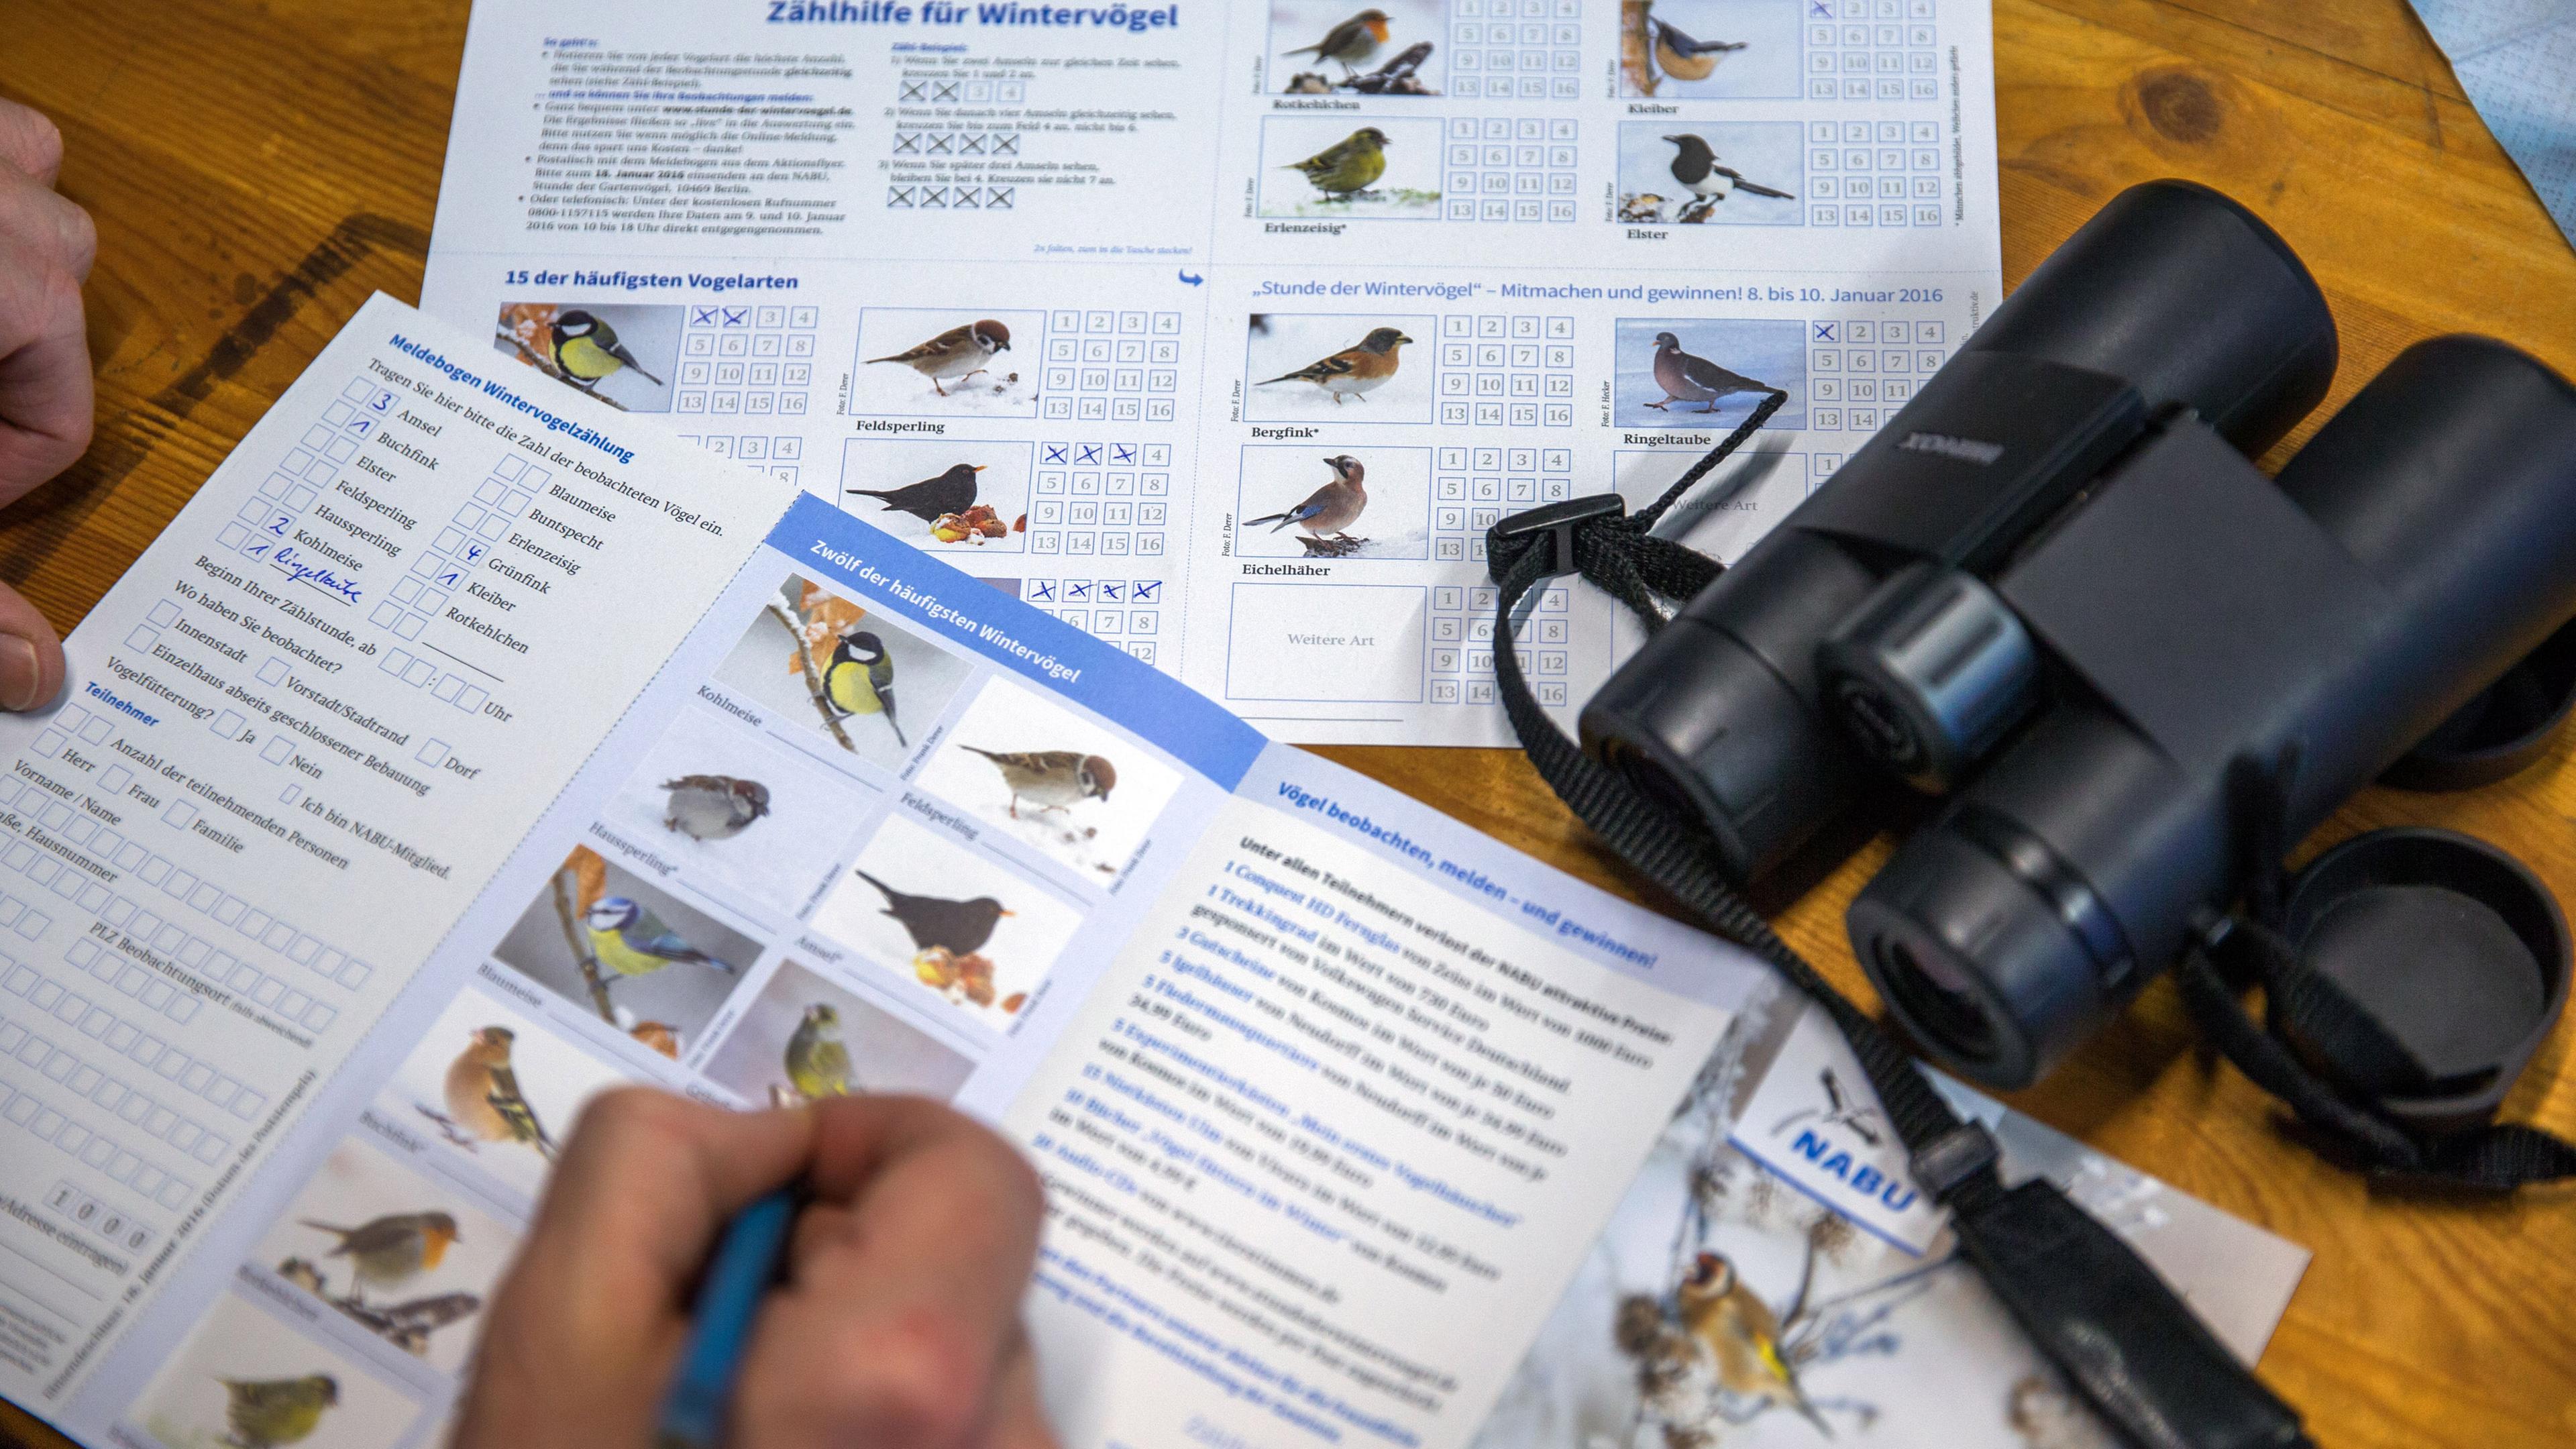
(895, 1320)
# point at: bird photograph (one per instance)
(812, 661)
(1348, 44)
(1059, 782)
(945, 504)
(1711, 49)
(621, 354)
(1294, 503)
(958, 927)
(808, 1035)
(614, 931)
(963, 363)
(1355, 371)
(485, 1106)
(933, 493)
(1326, 515)
(859, 679)
(713, 807)
(499, 1089)
(1050, 779)
(386, 1253)
(1325, 46)
(629, 940)
(928, 910)
(262, 1413)
(1739, 173)
(243, 1379)
(1708, 373)
(1323, 166)
(402, 1257)
(1695, 166)
(1686, 59)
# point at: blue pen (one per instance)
(745, 1264)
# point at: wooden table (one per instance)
(256, 169)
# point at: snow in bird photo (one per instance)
(948, 496)
(1347, 167)
(1075, 791)
(957, 925)
(964, 361)
(1358, 47)
(1344, 368)
(1711, 375)
(735, 816)
(1689, 173)
(491, 1090)
(243, 1377)
(1313, 501)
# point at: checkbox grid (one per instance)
(266, 522)
(1516, 49)
(116, 1227)
(747, 359)
(1860, 370)
(1506, 371)
(1872, 50)
(1100, 497)
(1111, 366)
(1462, 645)
(462, 547)
(1127, 613)
(1875, 173)
(1472, 488)
(781, 456)
(1510, 168)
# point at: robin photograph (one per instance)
(943, 362)
(814, 1032)
(1358, 369)
(1067, 786)
(947, 920)
(1346, 167)
(1390, 47)
(1707, 372)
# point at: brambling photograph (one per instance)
(1689, 50)
(626, 356)
(808, 1036)
(945, 496)
(243, 1379)
(1708, 372)
(1350, 168)
(953, 925)
(1726, 513)
(1337, 367)
(402, 1256)
(1304, 501)
(1060, 783)
(737, 817)
(1344, 47)
(926, 361)
(814, 663)
(1742, 173)
(614, 938)
(494, 1090)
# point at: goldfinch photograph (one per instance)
(811, 1033)
(1741, 173)
(861, 682)
(626, 355)
(949, 923)
(968, 360)
(730, 814)
(1350, 167)
(1067, 786)
(1358, 47)
(1357, 369)
(1690, 50)
(949, 496)
(397, 1253)
(491, 1089)
(622, 940)
(1708, 372)
(244, 1379)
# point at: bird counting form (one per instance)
(1346, 167)
(958, 353)
(1354, 371)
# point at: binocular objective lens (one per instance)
(1935, 1000)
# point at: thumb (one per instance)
(31, 658)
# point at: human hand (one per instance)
(46, 246)
(897, 1325)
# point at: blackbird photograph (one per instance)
(948, 921)
(952, 496)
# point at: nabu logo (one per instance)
(1858, 1117)
(1965, 450)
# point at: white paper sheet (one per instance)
(761, 198)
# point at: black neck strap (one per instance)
(2148, 1366)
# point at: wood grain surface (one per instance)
(257, 168)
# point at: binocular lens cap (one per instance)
(2451, 948)
(2504, 730)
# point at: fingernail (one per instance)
(20, 675)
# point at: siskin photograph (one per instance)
(925, 361)
(1072, 790)
(1343, 167)
(806, 1037)
(496, 1086)
(243, 1379)
(1340, 368)
(1698, 50)
(1344, 48)
(860, 682)
(1741, 173)
(1303, 501)
(624, 355)
(1724, 514)
(950, 497)
(402, 1257)
(621, 947)
(739, 818)
(952, 923)
(1708, 372)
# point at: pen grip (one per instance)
(738, 1276)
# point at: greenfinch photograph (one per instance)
(621, 939)
(808, 1035)
(244, 1379)
(623, 354)
(1346, 167)
(864, 683)
(728, 814)
(399, 1253)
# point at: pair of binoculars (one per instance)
(2055, 588)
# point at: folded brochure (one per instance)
(466, 747)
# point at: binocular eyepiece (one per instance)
(2055, 585)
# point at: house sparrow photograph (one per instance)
(1708, 373)
(948, 920)
(1059, 782)
(944, 362)
(1327, 166)
(1050, 779)
(812, 1033)
(714, 807)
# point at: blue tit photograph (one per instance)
(627, 948)
(941, 494)
(1314, 500)
(1337, 367)
(972, 361)
(626, 356)
(836, 681)
(806, 1036)
(1698, 173)
(1357, 47)
(1701, 372)
(1350, 168)
(1695, 50)
(1726, 513)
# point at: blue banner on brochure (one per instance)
(1108, 681)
